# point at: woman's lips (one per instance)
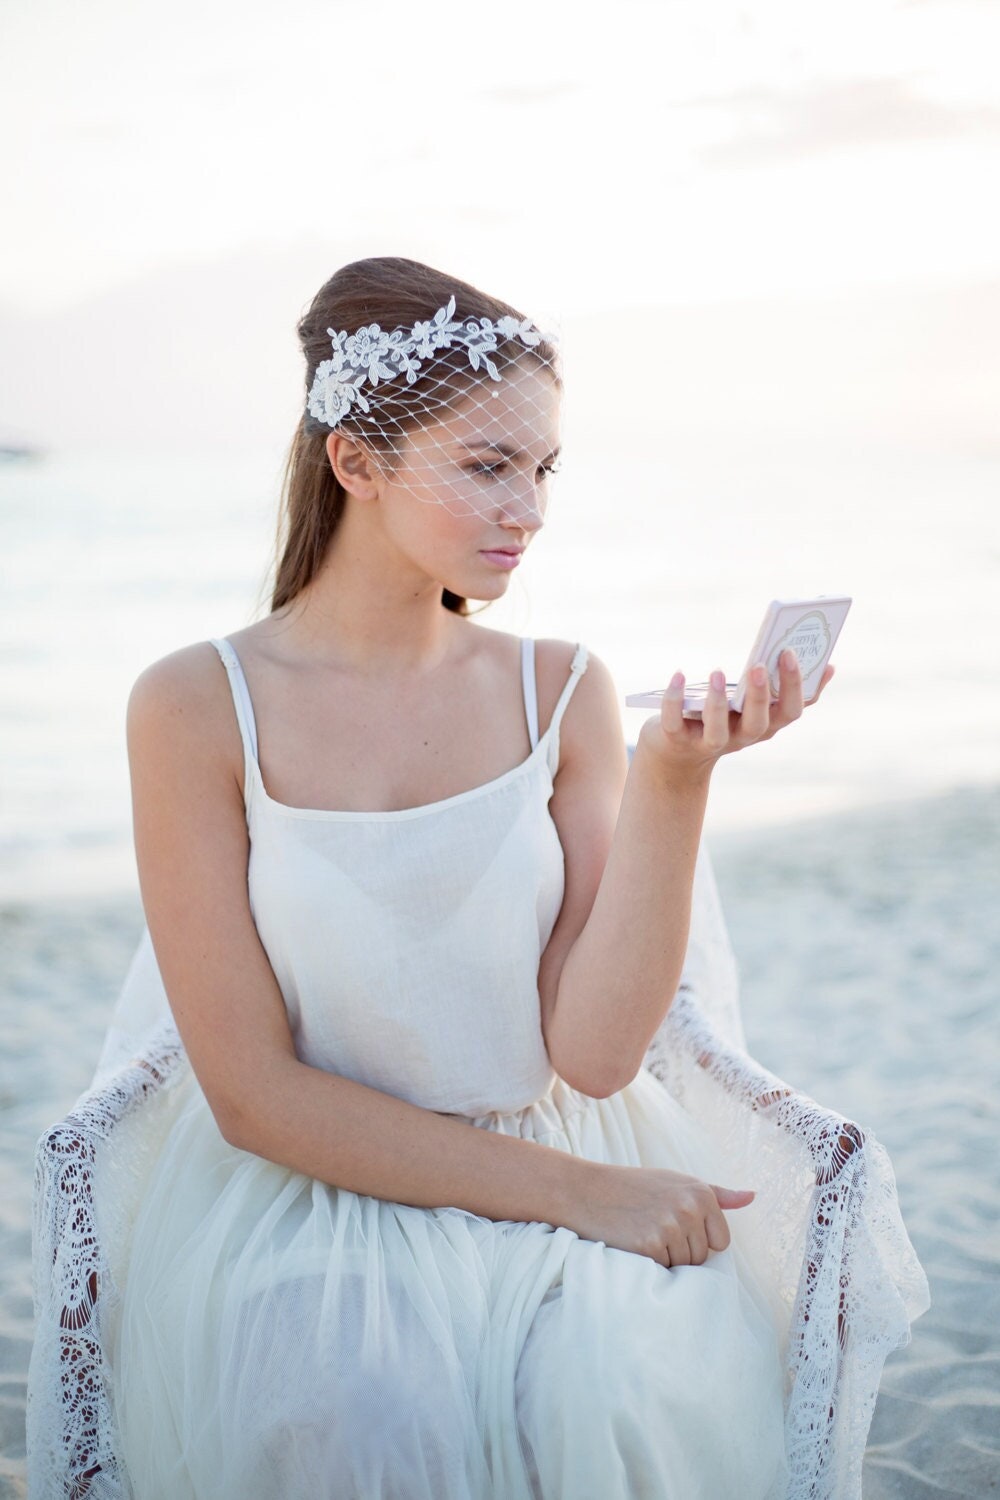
(503, 559)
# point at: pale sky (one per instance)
(567, 156)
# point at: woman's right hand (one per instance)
(674, 1219)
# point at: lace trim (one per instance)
(841, 1251)
(838, 1238)
(72, 1440)
(840, 1259)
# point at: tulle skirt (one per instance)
(278, 1337)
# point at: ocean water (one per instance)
(111, 560)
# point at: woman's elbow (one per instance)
(234, 1127)
(596, 1081)
(247, 1116)
(239, 1124)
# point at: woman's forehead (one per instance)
(520, 413)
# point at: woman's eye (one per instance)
(502, 468)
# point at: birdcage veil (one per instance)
(457, 407)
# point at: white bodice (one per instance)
(407, 943)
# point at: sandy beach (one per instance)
(869, 949)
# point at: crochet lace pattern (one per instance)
(841, 1264)
(841, 1256)
(72, 1440)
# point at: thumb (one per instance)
(732, 1197)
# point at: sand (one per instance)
(870, 950)
(870, 953)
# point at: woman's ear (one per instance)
(352, 466)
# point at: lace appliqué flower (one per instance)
(371, 356)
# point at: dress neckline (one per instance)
(541, 752)
(394, 814)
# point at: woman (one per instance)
(400, 882)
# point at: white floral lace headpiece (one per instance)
(371, 356)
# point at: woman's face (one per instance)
(474, 486)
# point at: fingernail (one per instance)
(791, 660)
(758, 676)
(676, 688)
(718, 681)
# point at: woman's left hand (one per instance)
(690, 746)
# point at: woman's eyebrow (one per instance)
(506, 450)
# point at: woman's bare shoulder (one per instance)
(184, 691)
(592, 769)
(595, 697)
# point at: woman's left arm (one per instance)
(613, 963)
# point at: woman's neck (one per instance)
(388, 622)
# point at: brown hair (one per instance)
(392, 292)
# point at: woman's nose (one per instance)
(524, 506)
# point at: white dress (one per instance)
(279, 1337)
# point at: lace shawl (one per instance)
(842, 1267)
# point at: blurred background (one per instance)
(768, 234)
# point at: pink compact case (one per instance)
(810, 627)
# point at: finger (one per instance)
(789, 703)
(672, 705)
(715, 713)
(680, 1252)
(756, 716)
(732, 1197)
(698, 1246)
(717, 1230)
(790, 686)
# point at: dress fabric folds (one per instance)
(277, 1336)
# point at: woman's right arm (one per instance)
(192, 851)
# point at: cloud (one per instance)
(781, 124)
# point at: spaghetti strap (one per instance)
(530, 691)
(242, 704)
(576, 670)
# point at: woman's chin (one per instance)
(494, 586)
